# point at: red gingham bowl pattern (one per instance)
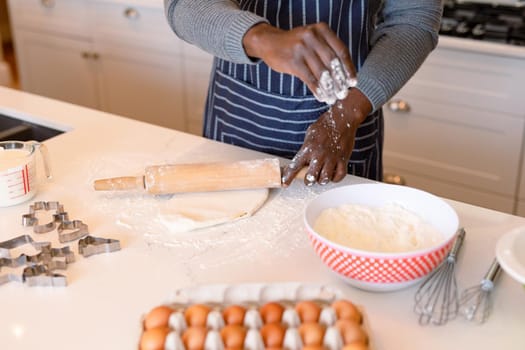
(379, 269)
(382, 271)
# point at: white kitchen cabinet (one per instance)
(456, 129)
(117, 56)
(197, 69)
(57, 67)
(142, 85)
(141, 65)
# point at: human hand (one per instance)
(329, 142)
(313, 53)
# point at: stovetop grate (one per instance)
(504, 24)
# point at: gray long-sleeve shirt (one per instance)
(405, 32)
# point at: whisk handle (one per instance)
(457, 244)
(493, 271)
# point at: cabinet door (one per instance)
(197, 67)
(57, 67)
(143, 85)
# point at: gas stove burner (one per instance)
(497, 31)
(504, 24)
(517, 36)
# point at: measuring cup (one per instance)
(18, 180)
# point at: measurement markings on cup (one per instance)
(18, 181)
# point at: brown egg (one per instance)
(158, 317)
(312, 333)
(233, 336)
(273, 334)
(355, 346)
(196, 315)
(345, 310)
(352, 332)
(154, 338)
(313, 348)
(194, 338)
(308, 311)
(234, 314)
(271, 312)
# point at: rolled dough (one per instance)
(189, 211)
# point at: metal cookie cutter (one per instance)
(31, 219)
(49, 253)
(19, 241)
(46, 255)
(41, 275)
(78, 228)
(11, 278)
(37, 275)
(95, 245)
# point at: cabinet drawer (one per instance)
(469, 79)
(475, 148)
(60, 16)
(454, 191)
(132, 24)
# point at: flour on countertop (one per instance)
(388, 229)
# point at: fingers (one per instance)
(315, 170)
(327, 173)
(340, 50)
(339, 72)
(322, 61)
(340, 171)
(291, 171)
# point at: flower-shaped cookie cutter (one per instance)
(30, 219)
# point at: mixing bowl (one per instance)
(383, 271)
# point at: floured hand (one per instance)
(329, 142)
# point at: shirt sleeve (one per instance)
(216, 26)
(406, 33)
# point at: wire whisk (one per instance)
(476, 302)
(436, 300)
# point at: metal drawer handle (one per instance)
(400, 106)
(131, 13)
(90, 55)
(48, 3)
(394, 179)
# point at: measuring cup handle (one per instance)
(45, 157)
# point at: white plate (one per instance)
(510, 251)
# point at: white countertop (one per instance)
(101, 308)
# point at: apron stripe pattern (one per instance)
(255, 107)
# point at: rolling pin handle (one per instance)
(120, 183)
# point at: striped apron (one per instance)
(255, 107)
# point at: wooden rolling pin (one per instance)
(200, 177)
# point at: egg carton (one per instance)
(256, 316)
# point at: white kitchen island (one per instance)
(107, 294)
